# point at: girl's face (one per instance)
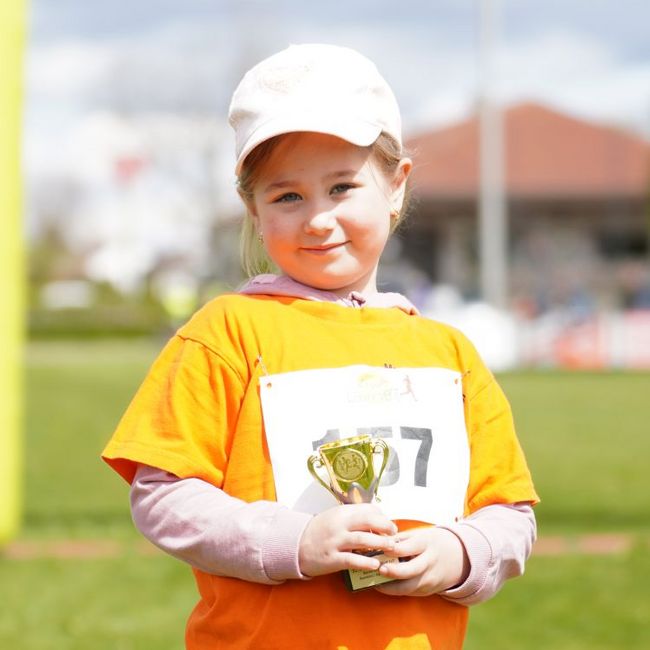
(323, 207)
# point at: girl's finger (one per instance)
(360, 562)
(370, 518)
(361, 540)
(408, 547)
(404, 570)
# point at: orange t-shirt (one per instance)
(198, 414)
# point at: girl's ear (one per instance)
(398, 184)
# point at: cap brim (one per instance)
(359, 132)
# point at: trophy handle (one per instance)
(380, 445)
(313, 462)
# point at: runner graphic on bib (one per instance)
(417, 411)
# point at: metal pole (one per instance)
(492, 204)
(12, 36)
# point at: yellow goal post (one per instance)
(13, 20)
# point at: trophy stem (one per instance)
(358, 494)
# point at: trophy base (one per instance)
(357, 579)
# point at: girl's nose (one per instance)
(321, 220)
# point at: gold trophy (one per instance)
(352, 478)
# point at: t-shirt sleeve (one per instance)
(498, 469)
(183, 416)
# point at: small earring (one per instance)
(260, 237)
(394, 214)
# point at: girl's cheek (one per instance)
(274, 226)
(276, 234)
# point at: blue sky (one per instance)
(414, 42)
(623, 23)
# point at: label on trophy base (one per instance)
(357, 579)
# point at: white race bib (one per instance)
(417, 411)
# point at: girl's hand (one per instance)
(438, 561)
(330, 538)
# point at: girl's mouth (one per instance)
(325, 248)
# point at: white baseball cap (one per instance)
(311, 87)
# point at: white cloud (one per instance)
(571, 71)
(70, 68)
(578, 74)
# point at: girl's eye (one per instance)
(289, 197)
(342, 188)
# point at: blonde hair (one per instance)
(385, 150)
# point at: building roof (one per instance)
(547, 154)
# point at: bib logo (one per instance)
(373, 389)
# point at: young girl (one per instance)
(216, 440)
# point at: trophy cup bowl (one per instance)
(352, 476)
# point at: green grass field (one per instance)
(584, 436)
